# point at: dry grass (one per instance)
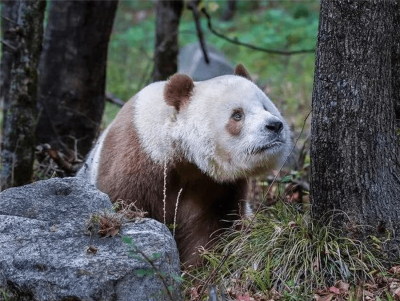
(109, 222)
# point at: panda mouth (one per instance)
(262, 148)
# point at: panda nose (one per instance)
(274, 126)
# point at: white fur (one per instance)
(91, 167)
(248, 211)
(198, 131)
(153, 119)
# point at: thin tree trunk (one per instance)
(73, 73)
(230, 11)
(354, 148)
(168, 14)
(22, 44)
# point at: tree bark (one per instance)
(168, 14)
(73, 72)
(8, 17)
(354, 147)
(22, 22)
(396, 64)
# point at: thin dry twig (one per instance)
(114, 99)
(165, 190)
(8, 45)
(156, 271)
(237, 42)
(62, 163)
(193, 6)
(176, 211)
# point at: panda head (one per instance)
(226, 125)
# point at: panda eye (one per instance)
(237, 115)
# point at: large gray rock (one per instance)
(44, 247)
(191, 62)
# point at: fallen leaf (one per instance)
(394, 288)
(323, 298)
(343, 287)
(334, 290)
(395, 269)
(367, 293)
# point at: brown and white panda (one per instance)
(205, 138)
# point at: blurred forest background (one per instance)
(66, 79)
(281, 25)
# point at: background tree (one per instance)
(73, 73)
(22, 23)
(230, 11)
(168, 14)
(8, 14)
(354, 147)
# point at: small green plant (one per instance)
(166, 278)
(4, 296)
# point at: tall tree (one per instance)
(355, 165)
(22, 23)
(8, 17)
(73, 72)
(168, 14)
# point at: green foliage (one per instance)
(127, 240)
(286, 179)
(142, 272)
(152, 271)
(130, 50)
(389, 297)
(4, 295)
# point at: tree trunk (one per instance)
(230, 11)
(73, 72)
(22, 44)
(168, 14)
(9, 16)
(396, 65)
(354, 147)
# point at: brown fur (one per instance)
(242, 71)
(204, 206)
(128, 181)
(178, 90)
(205, 209)
(233, 126)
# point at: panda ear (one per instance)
(178, 90)
(242, 71)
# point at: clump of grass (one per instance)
(109, 222)
(4, 295)
(283, 250)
